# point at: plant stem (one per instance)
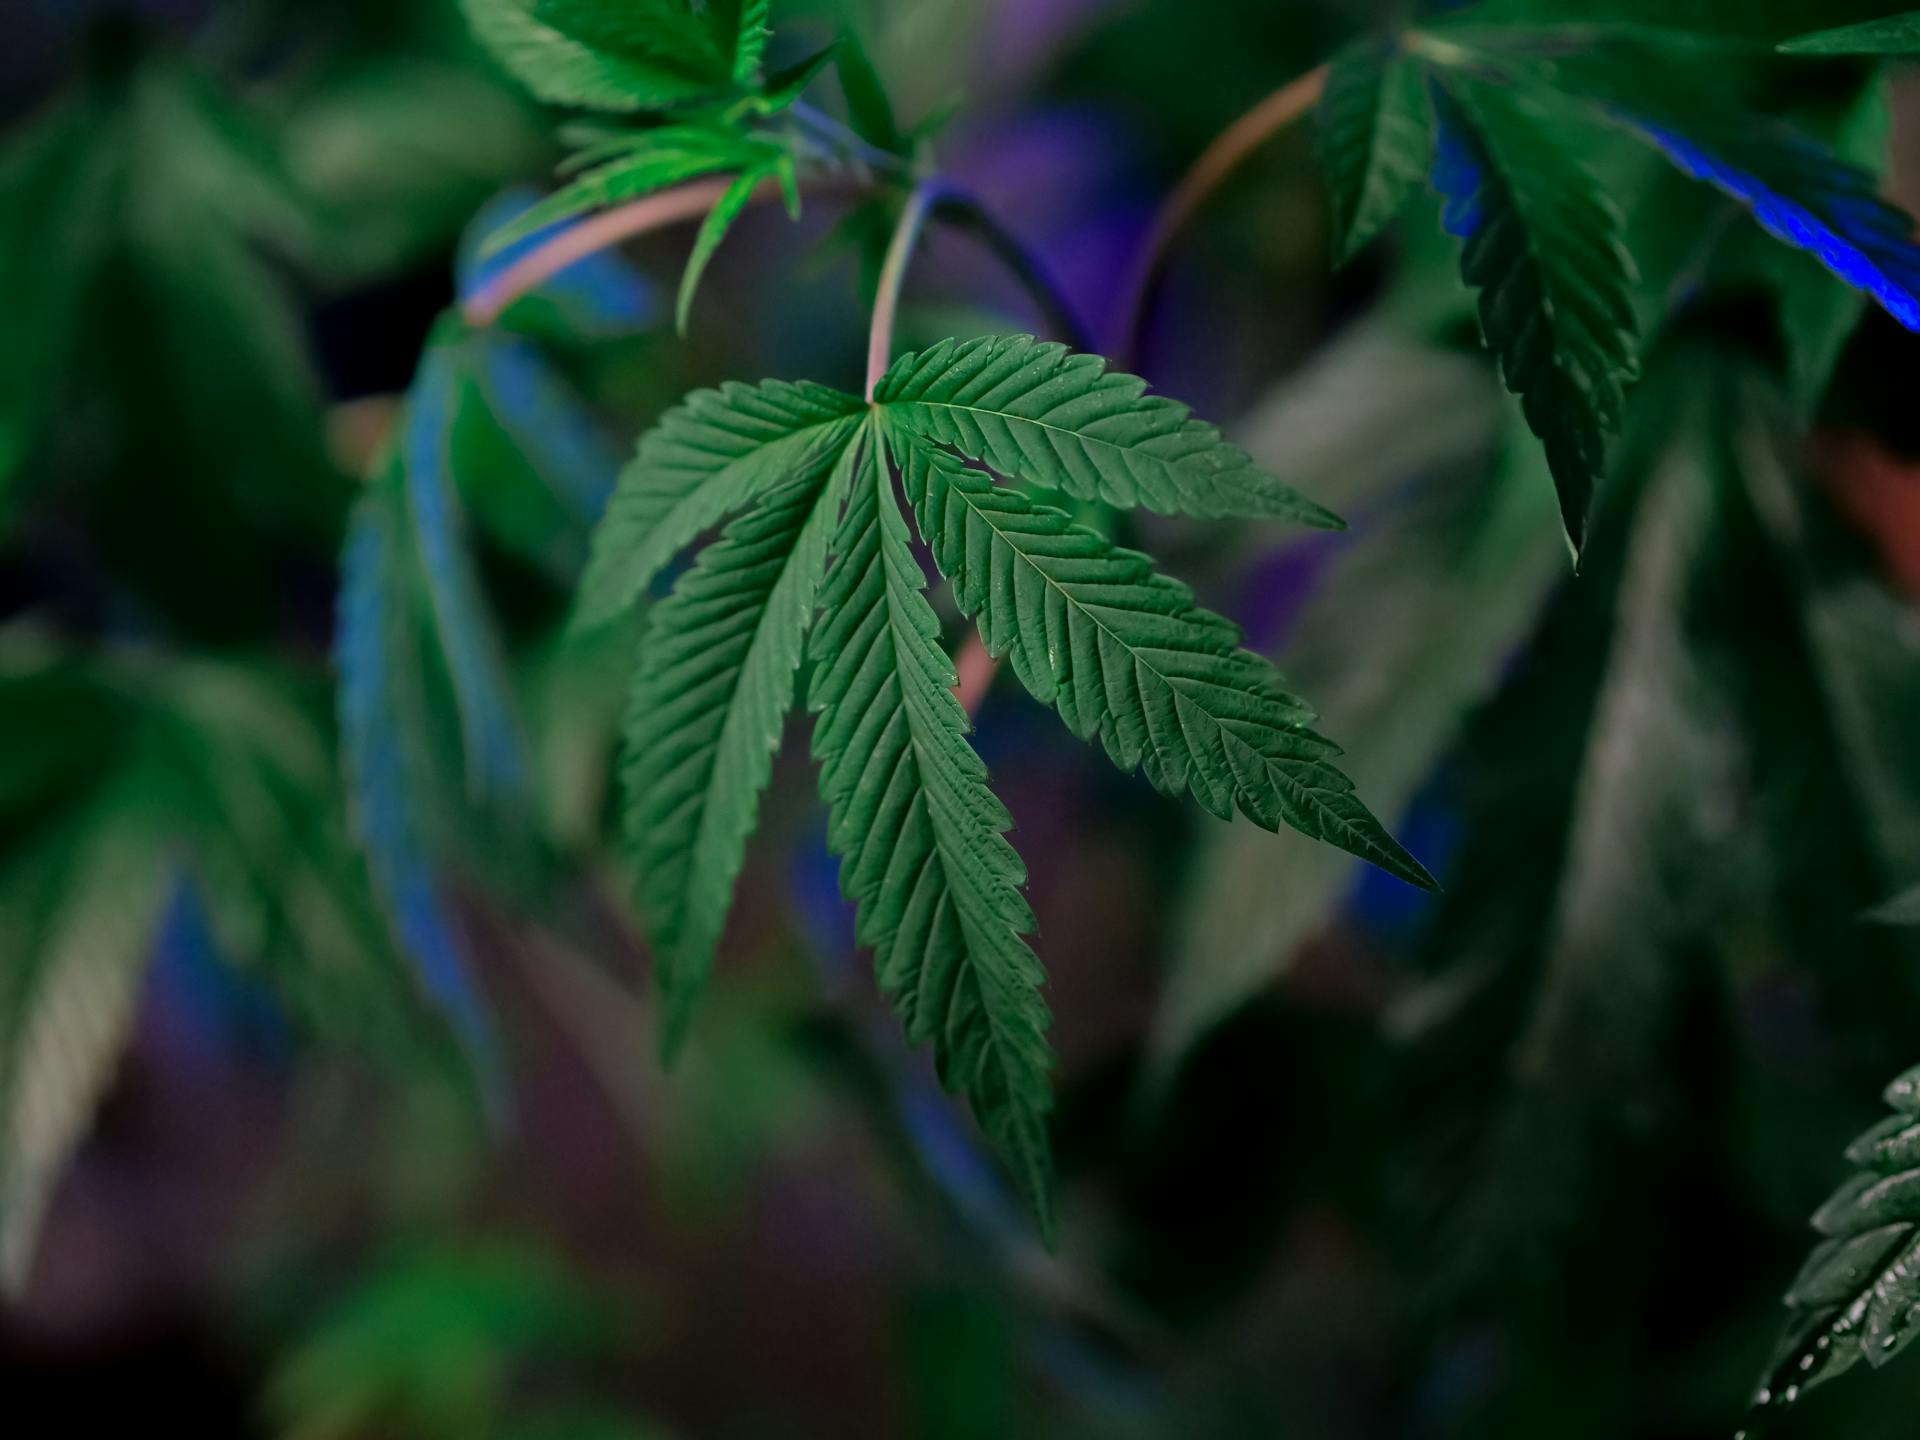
(1216, 163)
(893, 274)
(964, 212)
(590, 236)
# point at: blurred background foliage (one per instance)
(1533, 1156)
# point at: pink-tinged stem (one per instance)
(1216, 163)
(893, 276)
(589, 237)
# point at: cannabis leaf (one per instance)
(629, 164)
(491, 739)
(713, 454)
(1125, 655)
(714, 682)
(1802, 193)
(1121, 652)
(1543, 245)
(1895, 35)
(921, 835)
(78, 918)
(1376, 134)
(445, 1340)
(868, 109)
(1047, 416)
(376, 652)
(778, 167)
(138, 781)
(1858, 1295)
(639, 55)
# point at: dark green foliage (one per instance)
(1543, 246)
(1858, 1294)
(714, 682)
(1376, 136)
(921, 835)
(1896, 35)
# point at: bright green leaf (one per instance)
(713, 454)
(1125, 655)
(1044, 415)
(713, 685)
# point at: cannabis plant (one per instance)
(1661, 232)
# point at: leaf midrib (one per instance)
(1080, 435)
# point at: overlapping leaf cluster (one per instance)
(1500, 117)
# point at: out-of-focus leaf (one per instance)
(1376, 134)
(397, 153)
(490, 731)
(869, 110)
(719, 221)
(378, 655)
(159, 368)
(576, 52)
(1895, 35)
(437, 1342)
(1760, 20)
(1903, 909)
(78, 916)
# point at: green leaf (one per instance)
(749, 23)
(869, 111)
(922, 837)
(714, 682)
(491, 739)
(720, 220)
(630, 165)
(1375, 137)
(567, 52)
(788, 85)
(448, 1339)
(1895, 35)
(78, 919)
(1124, 654)
(1858, 1295)
(1063, 421)
(1903, 909)
(711, 455)
(1444, 586)
(1542, 245)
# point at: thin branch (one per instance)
(1218, 162)
(965, 212)
(893, 275)
(611, 227)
